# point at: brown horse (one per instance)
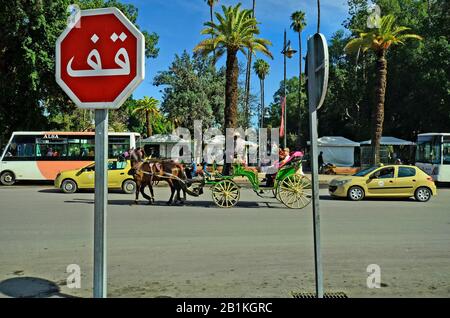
(146, 173)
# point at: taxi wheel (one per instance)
(355, 193)
(69, 186)
(423, 194)
(129, 186)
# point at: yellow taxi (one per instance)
(395, 181)
(118, 178)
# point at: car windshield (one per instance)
(364, 172)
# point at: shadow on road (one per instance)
(201, 204)
(58, 191)
(337, 199)
(53, 191)
(31, 287)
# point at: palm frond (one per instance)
(236, 30)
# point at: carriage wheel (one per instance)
(225, 194)
(295, 191)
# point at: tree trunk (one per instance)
(318, 16)
(263, 101)
(261, 107)
(247, 90)
(211, 10)
(231, 90)
(299, 90)
(378, 111)
(231, 100)
(147, 123)
(248, 80)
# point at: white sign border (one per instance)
(326, 65)
(140, 63)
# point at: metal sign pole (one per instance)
(317, 86)
(101, 201)
(316, 210)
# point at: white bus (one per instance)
(433, 155)
(42, 155)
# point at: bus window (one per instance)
(87, 148)
(429, 150)
(20, 148)
(118, 146)
(73, 148)
(446, 151)
(51, 150)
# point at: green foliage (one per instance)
(418, 84)
(236, 31)
(298, 19)
(381, 38)
(261, 68)
(147, 107)
(211, 3)
(417, 97)
(293, 111)
(193, 90)
(30, 99)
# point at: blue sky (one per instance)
(179, 22)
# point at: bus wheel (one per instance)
(69, 186)
(7, 178)
(129, 186)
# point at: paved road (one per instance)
(258, 249)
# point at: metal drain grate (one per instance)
(333, 295)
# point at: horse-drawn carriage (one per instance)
(289, 185)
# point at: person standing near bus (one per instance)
(320, 162)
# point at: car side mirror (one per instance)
(373, 177)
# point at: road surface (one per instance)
(257, 249)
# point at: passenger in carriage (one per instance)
(284, 156)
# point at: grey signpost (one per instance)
(100, 202)
(317, 73)
(91, 86)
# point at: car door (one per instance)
(382, 182)
(406, 180)
(116, 173)
(86, 177)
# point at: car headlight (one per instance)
(340, 182)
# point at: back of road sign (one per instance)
(317, 69)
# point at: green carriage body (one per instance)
(290, 186)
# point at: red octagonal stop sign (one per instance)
(100, 59)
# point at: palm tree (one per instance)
(379, 40)
(318, 16)
(211, 4)
(235, 32)
(298, 25)
(261, 69)
(248, 77)
(149, 106)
